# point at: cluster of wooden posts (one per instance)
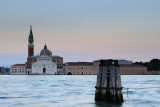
(108, 87)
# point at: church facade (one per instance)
(43, 64)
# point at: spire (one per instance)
(30, 40)
(45, 46)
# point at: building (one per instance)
(46, 63)
(92, 68)
(128, 68)
(18, 69)
(81, 68)
(133, 69)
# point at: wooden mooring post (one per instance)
(108, 87)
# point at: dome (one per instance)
(45, 52)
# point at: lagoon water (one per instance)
(73, 91)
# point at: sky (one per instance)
(80, 30)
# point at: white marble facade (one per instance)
(44, 63)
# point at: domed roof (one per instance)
(45, 52)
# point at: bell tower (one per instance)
(30, 43)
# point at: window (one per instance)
(82, 67)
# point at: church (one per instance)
(43, 64)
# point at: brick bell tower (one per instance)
(30, 43)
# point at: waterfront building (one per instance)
(92, 68)
(18, 69)
(81, 68)
(133, 69)
(46, 63)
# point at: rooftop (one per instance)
(54, 56)
(18, 65)
(133, 65)
(80, 63)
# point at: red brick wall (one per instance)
(133, 70)
(29, 62)
(30, 52)
(59, 62)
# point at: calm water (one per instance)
(72, 91)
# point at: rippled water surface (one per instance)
(73, 91)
